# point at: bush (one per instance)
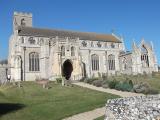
(141, 88)
(97, 83)
(112, 84)
(124, 86)
(131, 83)
(90, 80)
(153, 91)
(59, 80)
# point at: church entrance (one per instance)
(67, 69)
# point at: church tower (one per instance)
(22, 19)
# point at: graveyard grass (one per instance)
(36, 103)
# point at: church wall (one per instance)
(30, 75)
(103, 53)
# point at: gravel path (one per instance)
(91, 115)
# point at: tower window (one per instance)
(23, 22)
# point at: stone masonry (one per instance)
(134, 108)
(3, 68)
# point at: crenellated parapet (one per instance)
(23, 14)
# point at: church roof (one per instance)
(39, 32)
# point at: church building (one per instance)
(36, 53)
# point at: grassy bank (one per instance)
(32, 102)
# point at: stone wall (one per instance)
(3, 72)
(134, 108)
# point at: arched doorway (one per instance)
(67, 69)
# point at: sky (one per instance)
(132, 19)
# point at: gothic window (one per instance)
(23, 22)
(62, 50)
(84, 44)
(124, 63)
(31, 40)
(144, 57)
(99, 44)
(112, 45)
(34, 62)
(111, 62)
(72, 51)
(95, 62)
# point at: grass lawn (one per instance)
(32, 102)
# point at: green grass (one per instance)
(100, 118)
(56, 103)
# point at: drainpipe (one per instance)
(24, 74)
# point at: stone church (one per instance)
(50, 53)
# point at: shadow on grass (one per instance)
(9, 107)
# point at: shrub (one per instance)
(59, 80)
(118, 86)
(90, 80)
(131, 83)
(141, 88)
(124, 86)
(153, 91)
(112, 84)
(97, 83)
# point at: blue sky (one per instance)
(134, 19)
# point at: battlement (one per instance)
(23, 14)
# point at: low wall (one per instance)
(134, 108)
